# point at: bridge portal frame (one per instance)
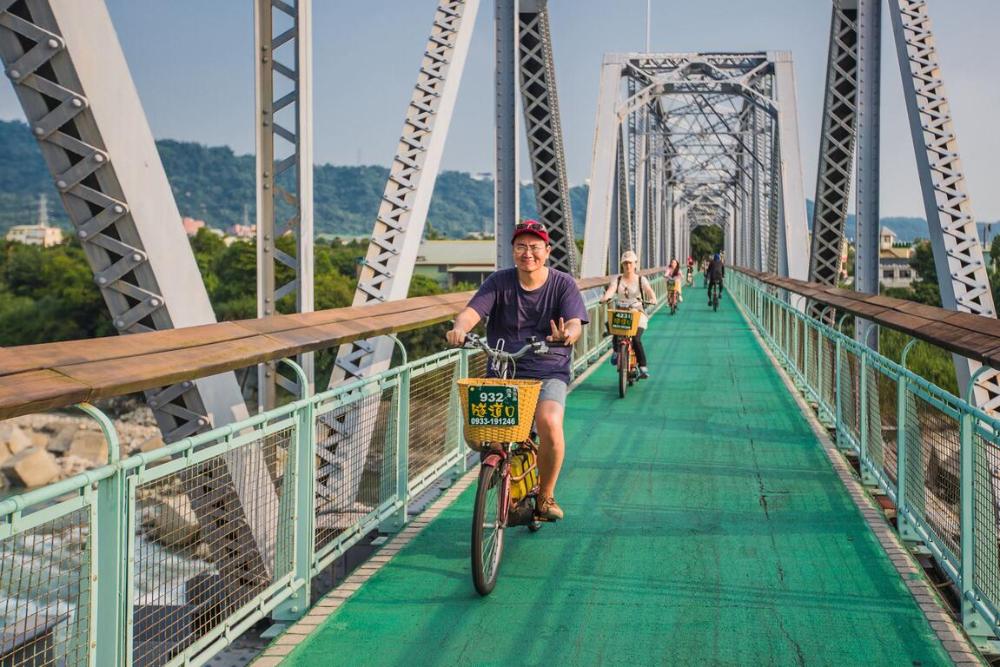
(704, 146)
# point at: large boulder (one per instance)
(13, 438)
(31, 467)
(62, 438)
(175, 523)
(89, 445)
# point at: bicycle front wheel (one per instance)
(487, 529)
(623, 360)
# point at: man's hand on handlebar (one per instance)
(455, 337)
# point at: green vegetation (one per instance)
(925, 360)
(705, 242)
(215, 185)
(48, 294)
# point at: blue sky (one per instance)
(192, 63)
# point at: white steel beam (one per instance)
(958, 257)
(794, 248)
(866, 259)
(602, 173)
(71, 78)
(506, 204)
(399, 227)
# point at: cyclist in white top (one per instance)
(630, 290)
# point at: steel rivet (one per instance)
(154, 302)
(120, 324)
(61, 184)
(187, 384)
(98, 157)
(39, 131)
(15, 74)
(82, 234)
(136, 257)
(118, 209)
(77, 102)
(153, 402)
(53, 43)
(202, 421)
(102, 281)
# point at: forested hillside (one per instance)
(214, 184)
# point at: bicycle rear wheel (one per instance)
(623, 353)
(487, 531)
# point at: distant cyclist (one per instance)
(715, 273)
(689, 277)
(632, 289)
(674, 278)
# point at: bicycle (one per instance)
(714, 294)
(673, 294)
(499, 413)
(623, 323)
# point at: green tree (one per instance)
(705, 242)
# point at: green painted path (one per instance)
(704, 526)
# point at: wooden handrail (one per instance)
(972, 336)
(53, 375)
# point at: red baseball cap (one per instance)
(530, 227)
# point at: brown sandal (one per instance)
(546, 509)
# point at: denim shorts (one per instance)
(553, 390)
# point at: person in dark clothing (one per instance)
(715, 273)
(533, 300)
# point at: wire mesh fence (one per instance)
(433, 410)
(45, 589)
(934, 434)
(357, 446)
(208, 539)
(986, 508)
(850, 396)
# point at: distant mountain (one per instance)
(906, 229)
(214, 184)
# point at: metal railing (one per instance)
(934, 454)
(131, 563)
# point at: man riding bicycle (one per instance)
(714, 274)
(533, 300)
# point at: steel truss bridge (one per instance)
(280, 490)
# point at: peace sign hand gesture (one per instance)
(560, 333)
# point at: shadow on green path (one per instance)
(704, 526)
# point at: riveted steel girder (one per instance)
(836, 153)
(70, 75)
(958, 256)
(542, 125)
(399, 227)
(866, 257)
(283, 68)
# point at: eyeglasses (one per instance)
(532, 226)
(535, 248)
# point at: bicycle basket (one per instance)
(496, 410)
(623, 322)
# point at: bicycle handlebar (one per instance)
(473, 341)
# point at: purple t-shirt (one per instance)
(515, 314)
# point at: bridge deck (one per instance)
(704, 526)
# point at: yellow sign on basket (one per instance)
(493, 406)
(621, 319)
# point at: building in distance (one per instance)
(452, 262)
(42, 235)
(894, 260)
